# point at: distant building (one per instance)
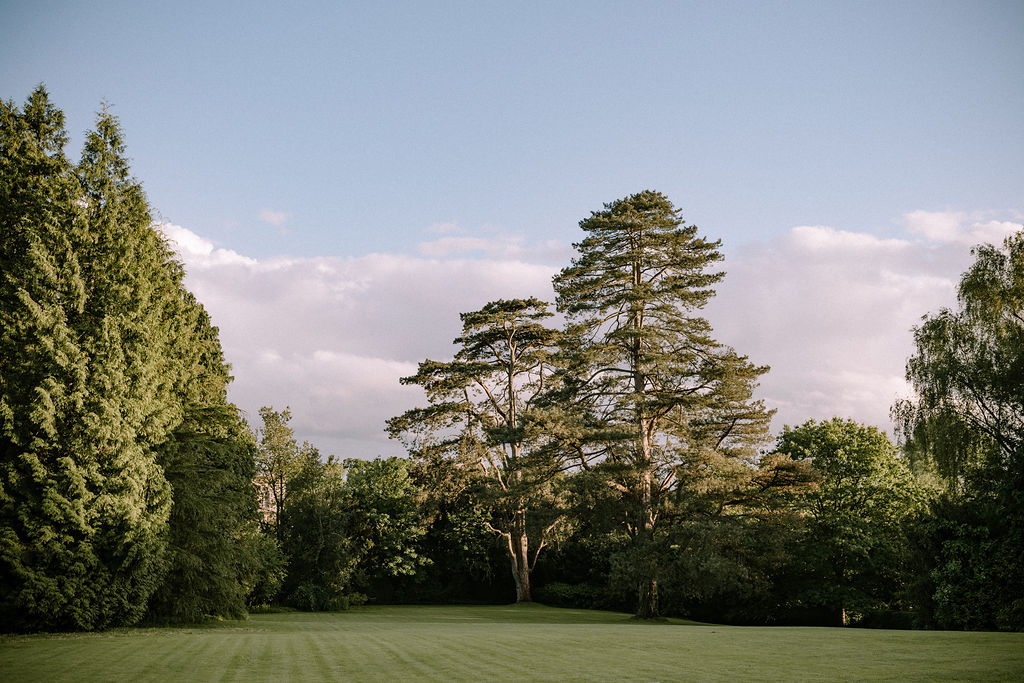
(265, 498)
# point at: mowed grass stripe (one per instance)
(506, 643)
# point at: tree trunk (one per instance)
(648, 604)
(521, 574)
(519, 551)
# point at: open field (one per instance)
(505, 643)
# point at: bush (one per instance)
(310, 597)
(578, 595)
(344, 602)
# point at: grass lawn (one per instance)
(481, 643)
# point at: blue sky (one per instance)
(355, 137)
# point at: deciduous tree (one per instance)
(853, 550)
(278, 459)
(315, 524)
(967, 414)
(966, 422)
(386, 524)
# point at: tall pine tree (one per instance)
(671, 407)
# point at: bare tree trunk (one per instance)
(520, 543)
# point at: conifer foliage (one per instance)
(672, 407)
(111, 380)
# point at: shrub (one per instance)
(579, 595)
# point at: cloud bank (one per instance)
(830, 310)
(331, 337)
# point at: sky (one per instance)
(342, 179)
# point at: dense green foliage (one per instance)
(315, 531)
(665, 409)
(216, 556)
(346, 528)
(125, 475)
(966, 424)
(851, 552)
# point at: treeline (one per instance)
(616, 461)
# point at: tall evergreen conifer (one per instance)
(111, 383)
(129, 404)
(47, 489)
(672, 407)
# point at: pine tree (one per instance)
(129, 404)
(166, 364)
(669, 410)
(480, 416)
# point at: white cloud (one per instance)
(275, 218)
(958, 227)
(823, 239)
(331, 337)
(199, 252)
(830, 310)
(455, 241)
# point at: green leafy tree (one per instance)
(215, 555)
(315, 525)
(967, 416)
(278, 459)
(458, 541)
(348, 527)
(664, 406)
(481, 405)
(854, 550)
(386, 523)
(966, 423)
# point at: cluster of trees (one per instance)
(632, 438)
(344, 529)
(617, 460)
(125, 475)
(621, 461)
